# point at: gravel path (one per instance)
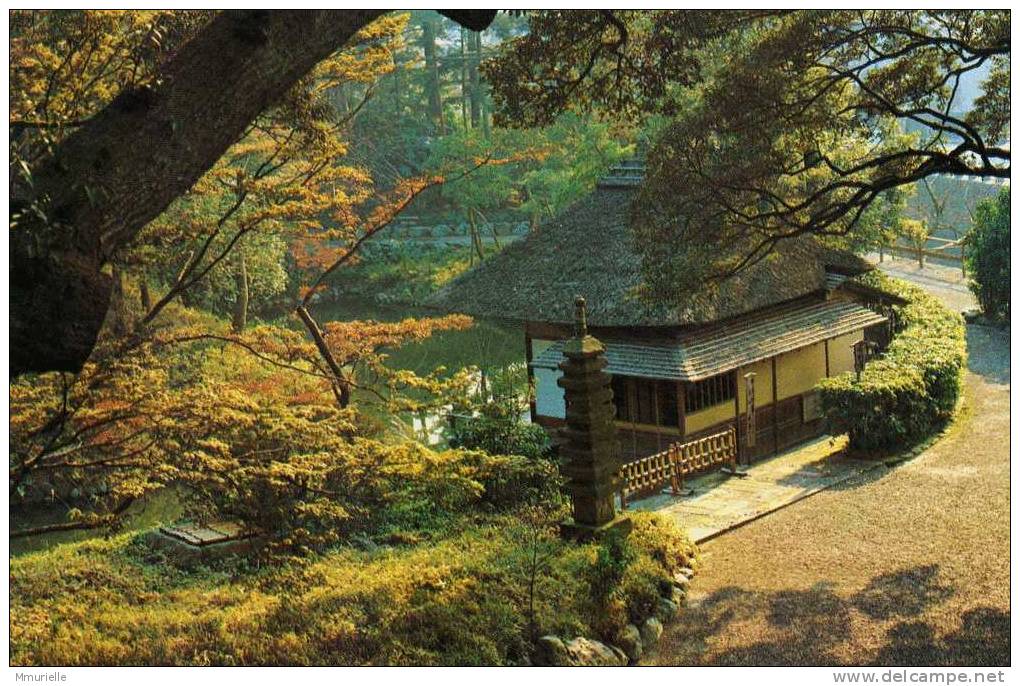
(908, 565)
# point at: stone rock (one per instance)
(667, 610)
(629, 640)
(584, 652)
(551, 652)
(679, 595)
(620, 655)
(683, 577)
(650, 632)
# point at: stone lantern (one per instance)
(588, 444)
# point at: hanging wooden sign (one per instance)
(749, 393)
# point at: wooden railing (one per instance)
(651, 474)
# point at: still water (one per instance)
(488, 345)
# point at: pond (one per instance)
(488, 345)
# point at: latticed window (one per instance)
(645, 401)
(709, 392)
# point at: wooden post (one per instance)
(736, 411)
(681, 408)
(749, 412)
(775, 409)
(658, 420)
(532, 388)
(675, 483)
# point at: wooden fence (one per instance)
(651, 474)
(940, 251)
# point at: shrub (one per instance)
(612, 557)
(988, 255)
(497, 425)
(913, 388)
(664, 541)
(628, 575)
(501, 435)
(511, 480)
(641, 587)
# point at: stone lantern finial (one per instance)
(580, 317)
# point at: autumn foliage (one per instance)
(261, 423)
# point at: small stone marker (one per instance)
(198, 535)
(188, 543)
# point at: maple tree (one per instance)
(119, 169)
(243, 426)
(264, 429)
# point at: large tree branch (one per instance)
(79, 525)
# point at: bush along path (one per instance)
(912, 390)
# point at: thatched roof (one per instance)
(588, 251)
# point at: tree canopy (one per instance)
(988, 255)
(782, 123)
(94, 190)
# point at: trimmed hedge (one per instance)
(911, 390)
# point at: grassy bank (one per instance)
(464, 599)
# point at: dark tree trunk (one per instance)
(122, 168)
(120, 323)
(476, 83)
(465, 87)
(398, 90)
(341, 389)
(433, 86)
(476, 239)
(240, 320)
(144, 296)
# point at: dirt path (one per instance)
(908, 565)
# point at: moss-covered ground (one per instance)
(479, 596)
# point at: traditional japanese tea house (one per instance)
(680, 373)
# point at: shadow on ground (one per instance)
(807, 627)
(988, 353)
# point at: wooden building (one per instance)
(686, 371)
